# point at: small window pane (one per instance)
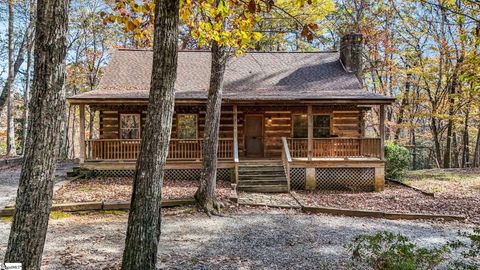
(300, 126)
(321, 126)
(130, 126)
(187, 126)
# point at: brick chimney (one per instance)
(351, 46)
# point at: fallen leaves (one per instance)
(120, 189)
(396, 198)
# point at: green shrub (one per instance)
(389, 251)
(471, 252)
(397, 160)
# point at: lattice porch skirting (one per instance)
(353, 179)
(170, 174)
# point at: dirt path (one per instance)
(250, 238)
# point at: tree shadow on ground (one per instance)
(278, 241)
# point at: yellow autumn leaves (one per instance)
(230, 23)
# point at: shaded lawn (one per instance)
(120, 189)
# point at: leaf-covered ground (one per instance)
(459, 182)
(457, 192)
(120, 189)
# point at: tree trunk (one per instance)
(91, 122)
(436, 141)
(34, 196)
(466, 141)
(26, 42)
(144, 220)
(403, 105)
(451, 111)
(11, 151)
(413, 142)
(448, 146)
(65, 143)
(26, 99)
(455, 163)
(205, 194)
(476, 155)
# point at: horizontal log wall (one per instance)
(345, 122)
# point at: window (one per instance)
(186, 126)
(300, 126)
(130, 126)
(321, 126)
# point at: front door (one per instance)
(254, 135)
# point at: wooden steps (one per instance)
(266, 176)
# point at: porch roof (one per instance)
(252, 77)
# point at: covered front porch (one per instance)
(249, 130)
(126, 150)
(304, 139)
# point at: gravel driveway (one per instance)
(8, 184)
(9, 177)
(248, 238)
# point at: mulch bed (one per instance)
(120, 189)
(395, 198)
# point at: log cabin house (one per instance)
(289, 120)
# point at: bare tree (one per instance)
(26, 42)
(10, 95)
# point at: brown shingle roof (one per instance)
(252, 76)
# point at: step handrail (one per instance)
(236, 160)
(286, 159)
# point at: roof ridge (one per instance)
(250, 52)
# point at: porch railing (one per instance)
(179, 149)
(336, 147)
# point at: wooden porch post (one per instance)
(380, 171)
(235, 141)
(82, 133)
(310, 132)
(235, 123)
(382, 132)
